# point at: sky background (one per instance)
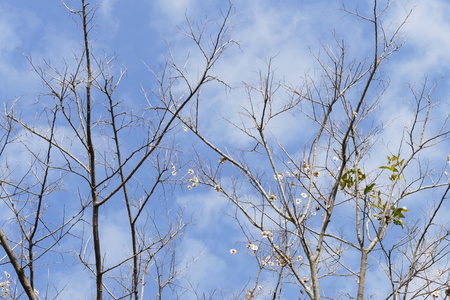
(138, 32)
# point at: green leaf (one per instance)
(369, 188)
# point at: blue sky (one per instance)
(138, 32)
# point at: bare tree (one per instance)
(88, 145)
(317, 217)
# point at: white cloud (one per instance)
(427, 44)
(175, 10)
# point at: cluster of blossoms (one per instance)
(252, 247)
(268, 261)
(272, 197)
(306, 167)
(6, 285)
(174, 169)
(194, 181)
(249, 295)
(282, 261)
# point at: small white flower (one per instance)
(332, 173)
(265, 233)
(36, 292)
(6, 274)
(357, 280)
(355, 114)
(439, 272)
(299, 258)
(174, 173)
(306, 166)
(272, 197)
(305, 279)
(304, 195)
(375, 216)
(189, 187)
(335, 158)
(260, 287)
(184, 128)
(233, 251)
(295, 173)
(194, 184)
(313, 213)
(278, 176)
(435, 294)
(190, 171)
(298, 200)
(270, 263)
(172, 165)
(217, 188)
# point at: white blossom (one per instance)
(265, 234)
(278, 176)
(252, 247)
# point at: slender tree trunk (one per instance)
(91, 153)
(362, 274)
